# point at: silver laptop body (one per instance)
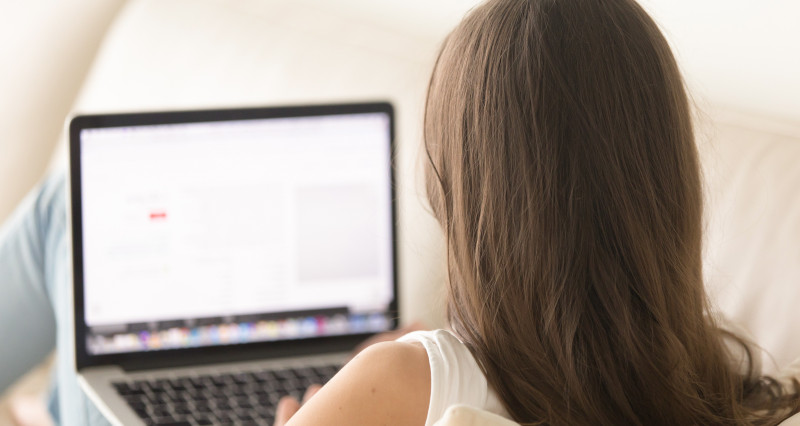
(225, 258)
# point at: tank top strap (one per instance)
(456, 377)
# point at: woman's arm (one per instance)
(386, 384)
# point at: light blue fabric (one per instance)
(36, 299)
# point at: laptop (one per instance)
(225, 258)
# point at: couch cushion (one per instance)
(752, 253)
(46, 50)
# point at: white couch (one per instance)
(208, 53)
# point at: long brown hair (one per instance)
(563, 170)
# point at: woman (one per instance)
(563, 171)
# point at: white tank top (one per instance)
(455, 375)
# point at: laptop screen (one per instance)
(230, 232)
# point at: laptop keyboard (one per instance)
(244, 398)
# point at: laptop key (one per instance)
(142, 413)
(194, 394)
(265, 410)
(307, 381)
(183, 411)
(202, 407)
(203, 421)
(245, 404)
(242, 378)
(223, 405)
(122, 388)
(220, 379)
(225, 417)
(240, 392)
(197, 381)
(161, 411)
(264, 376)
(285, 374)
(131, 391)
(170, 422)
(180, 384)
(138, 405)
(135, 399)
(214, 393)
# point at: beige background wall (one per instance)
(743, 54)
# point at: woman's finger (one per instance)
(287, 406)
(313, 389)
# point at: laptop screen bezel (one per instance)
(221, 353)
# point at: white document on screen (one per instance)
(232, 218)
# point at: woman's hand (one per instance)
(288, 405)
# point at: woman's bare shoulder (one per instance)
(387, 383)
